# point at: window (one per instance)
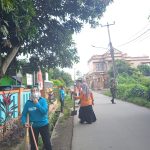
(100, 66)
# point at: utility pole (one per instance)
(111, 48)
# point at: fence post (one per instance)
(19, 100)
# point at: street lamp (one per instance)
(98, 47)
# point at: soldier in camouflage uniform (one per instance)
(113, 88)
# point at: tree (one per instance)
(44, 29)
(61, 75)
(144, 69)
(67, 78)
(122, 67)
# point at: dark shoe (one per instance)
(94, 120)
(89, 122)
(81, 121)
(112, 101)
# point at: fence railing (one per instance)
(19, 97)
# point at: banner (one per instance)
(40, 80)
(29, 79)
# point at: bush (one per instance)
(58, 83)
(126, 79)
(53, 119)
(125, 91)
(139, 101)
(138, 91)
(145, 81)
(14, 135)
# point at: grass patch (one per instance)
(53, 117)
(135, 100)
(67, 108)
(107, 93)
(139, 101)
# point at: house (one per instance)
(99, 65)
(10, 80)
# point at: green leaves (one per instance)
(145, 69)
(7, 108)
(4, 31)
(7, 5)
(44, 29)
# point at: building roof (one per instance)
(118, 54)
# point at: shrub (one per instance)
(123, 90)
(138, 91)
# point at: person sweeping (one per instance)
(37, 108)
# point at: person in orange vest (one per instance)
(86, 113)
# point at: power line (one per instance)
(135, 38)
(139, 31)
(145, 38)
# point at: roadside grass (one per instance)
(139, 101)
(67, 108)
(135, 100)
(53, 117)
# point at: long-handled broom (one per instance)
(27, 137)
(74, 112)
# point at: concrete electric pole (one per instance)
(111, 49)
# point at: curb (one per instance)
(62, 134)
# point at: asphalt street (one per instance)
(120, 126)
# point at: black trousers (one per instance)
(113, 94)
(44, 132)
(62, 105)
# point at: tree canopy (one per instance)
(43, 29)
(121, 68)
(145, 69)
(61, 75)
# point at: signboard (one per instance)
(29, 79)
(48, 84)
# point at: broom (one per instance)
(74, 112)
(27, 138)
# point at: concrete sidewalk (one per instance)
(121, 126)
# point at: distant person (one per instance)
(37, 108)
(62, 97)
(113, 89)
(51, 96)
(86, 113)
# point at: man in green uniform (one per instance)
(113, 88)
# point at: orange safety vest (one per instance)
(84, 101)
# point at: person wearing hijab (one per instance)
(86, 113)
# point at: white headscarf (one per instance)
(85, 89)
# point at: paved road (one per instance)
(121, 126)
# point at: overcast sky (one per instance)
(130, 33)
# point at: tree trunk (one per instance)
(0, 61)
(8, 60)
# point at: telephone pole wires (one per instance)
(111, 49)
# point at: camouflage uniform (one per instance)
(113, 89)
